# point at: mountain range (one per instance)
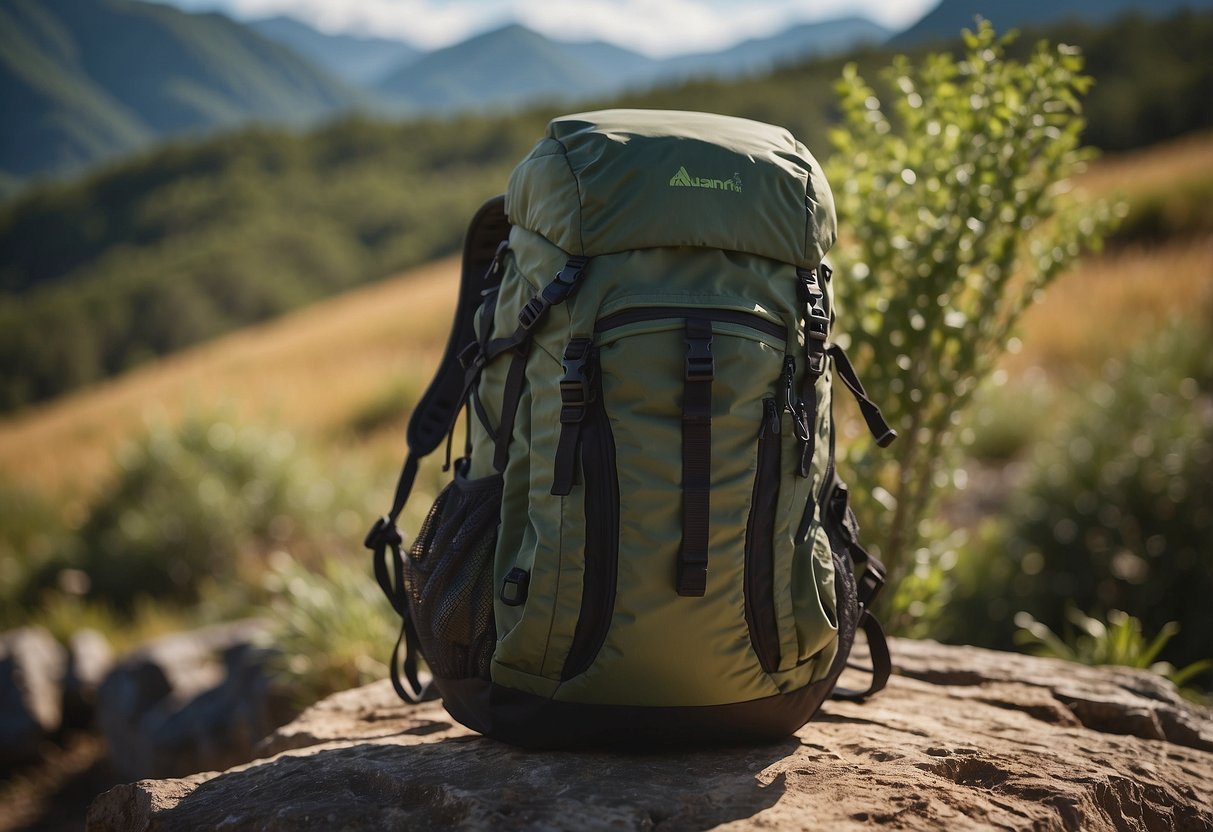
(83, 81)
(950, 16)
(86, 80)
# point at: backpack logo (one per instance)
(682, 179)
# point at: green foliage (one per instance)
(1117, 512)
(195, 505)
(954, 222)
(1000, 423)
(188, 243)
(1117, 641)
(31, 534)
(332, 625)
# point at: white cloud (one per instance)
(658, 27)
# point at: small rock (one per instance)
(189, 702)
(32, 665)
(89, 660)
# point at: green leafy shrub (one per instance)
(1117, 514)
(1114, 512)
(955, 222)
(31, 536)
(333, 626)
(195, 504)
(1117, 641)
(1001, 423)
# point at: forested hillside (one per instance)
(85, 80)
(198, 239)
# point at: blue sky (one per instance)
(657, 27)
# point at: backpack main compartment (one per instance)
(636, 546)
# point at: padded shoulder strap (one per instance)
(438, 408)
(432, 420)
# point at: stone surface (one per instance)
(189, 702)
(962, 739)
(90, 658)
(31, 692)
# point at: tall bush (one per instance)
(954, 202)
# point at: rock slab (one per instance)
(32, 665)
(963, 738)
(189, 702)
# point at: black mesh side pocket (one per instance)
(449, 577)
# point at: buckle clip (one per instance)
(382, 534)
(575, 390)
(700, 363)
(469, 355)
(869, 585)
(532, 312)
(817, 324)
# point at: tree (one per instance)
(957, 211)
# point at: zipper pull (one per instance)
(495, 263)
(792, 403)
(770, 421)
(788, 379)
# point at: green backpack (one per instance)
(645, 539)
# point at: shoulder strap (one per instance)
(436, 412)
(432, 421)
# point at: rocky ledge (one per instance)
(963, 738)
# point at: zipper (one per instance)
(658, 313)
(598, 472)
(760, 542)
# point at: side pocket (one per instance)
(449, 576)
(598, 472)
(759, 543)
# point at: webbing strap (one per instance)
(515, 379)
(576, 393)
(700, 370)
(385, 541)
(882, 662)
(881, 432)
(844, 535)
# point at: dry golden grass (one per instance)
(1154, 167)
(308, 372)
(312, 371)
(1109, 302)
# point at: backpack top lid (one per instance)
(614, 180)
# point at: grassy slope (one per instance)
(317, 370)
(310, 371)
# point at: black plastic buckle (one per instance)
(816, 363)
(869, 585)
(575, 390)
(817, 324)
(807, 289)
(469, 355)
(532, 312)
(700, 363)
(382, 534)
(566, 280)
